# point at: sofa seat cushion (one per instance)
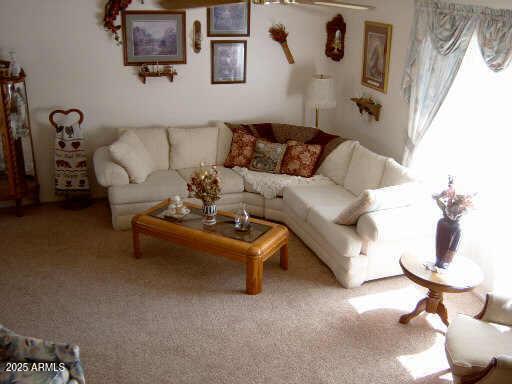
(329, 198)
(158, 186)
(472, 343)
(343, 238)
(231, 182)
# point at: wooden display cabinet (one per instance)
(18, 177)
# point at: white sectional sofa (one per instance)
(355, 254)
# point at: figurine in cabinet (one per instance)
(18, 177)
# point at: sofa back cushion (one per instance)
(192, 146)
(156, 143)
(224, 142)
(365, 170)
(129, 152)
(395, 174)
(335, 166)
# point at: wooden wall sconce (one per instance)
(369, 106)
(197, 36)
(335, 45)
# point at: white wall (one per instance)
(71, 61)
(389, 134)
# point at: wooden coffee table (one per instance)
(252, 248)
(463, 275)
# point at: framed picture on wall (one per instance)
(229, 61)
(376, 57)
(229, 20)
(151, 37)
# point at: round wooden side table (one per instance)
(463, 275)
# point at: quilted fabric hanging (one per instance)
(71, 174)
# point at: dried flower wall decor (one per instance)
(112, 9)
(278, 33)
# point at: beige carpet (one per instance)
(177, 316)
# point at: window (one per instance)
(471, 139)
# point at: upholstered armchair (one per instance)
(27, 351)
(479, 349)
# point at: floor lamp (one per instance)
(321, 94)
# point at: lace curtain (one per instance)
(440, 37)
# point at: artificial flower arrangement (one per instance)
(452, 205)
(205, 185)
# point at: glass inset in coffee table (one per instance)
(252, 248)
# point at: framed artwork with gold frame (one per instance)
(151, 37)
(376, 55)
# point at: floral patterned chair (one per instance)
(28, 351)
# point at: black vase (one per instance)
(447, 241)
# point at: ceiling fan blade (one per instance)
(338, 4)
(185, 4)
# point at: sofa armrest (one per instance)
(397, 223)
(497, 309)
(107, 172)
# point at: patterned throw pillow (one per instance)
(242, 150)
(267, 156)
(301, 159)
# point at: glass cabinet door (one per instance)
(3, 162)
(19, 125)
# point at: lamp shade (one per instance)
(321, 93)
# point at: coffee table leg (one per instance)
(254, 275)
(283, 257)
(136, 243)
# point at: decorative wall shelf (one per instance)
(168, 72)
(368, 105)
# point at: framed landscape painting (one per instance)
(229, 61)
(151, 37)
(229, 20)
(377, 50)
